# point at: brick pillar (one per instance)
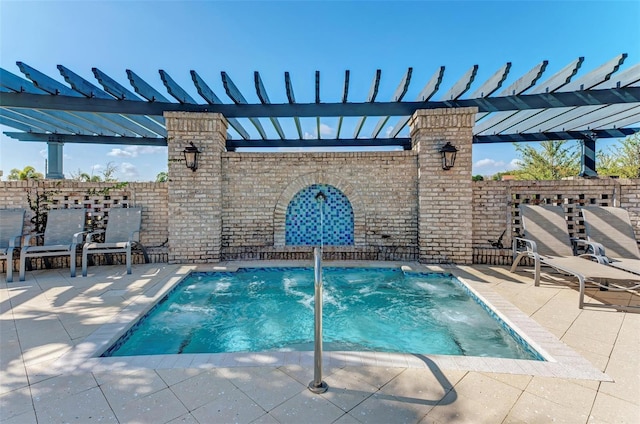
(444, 196)
(195, 198)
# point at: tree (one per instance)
(552, 160)
(83, 176)
(27, 173)
(623, 159)
(108, 172)
(162, 177)
(477, 178)
(107, 175)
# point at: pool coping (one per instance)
(561, 361)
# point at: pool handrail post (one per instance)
(317, 385)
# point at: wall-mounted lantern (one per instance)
(191, 156)
(448, 152)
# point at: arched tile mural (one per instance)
(303, 218)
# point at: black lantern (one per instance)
(191, 156)
(448, 152)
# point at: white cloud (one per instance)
(488, 163)
(326, 129)
(134, 151)
(514, 164)
(128, 170)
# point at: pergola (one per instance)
(599, 104)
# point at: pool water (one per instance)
(364, 310)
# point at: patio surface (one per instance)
(50, 326)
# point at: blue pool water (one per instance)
(364, 310)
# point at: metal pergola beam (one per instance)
(341, 142)
(488, 104)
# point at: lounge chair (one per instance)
(123, 231)
(611, 228)
(63, 233)
(11, 226)
(547, 243)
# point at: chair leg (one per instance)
(537, 272)
(581, 298)
(23, 261)
(10, 268)
(129, 259)
(84, 262)
(73, 263)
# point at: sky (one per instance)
(301, 37)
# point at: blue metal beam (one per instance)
(399, 141)
(489, 104)
(425, 94)
(264, 99)
(237, 97)
(462, 86)
(122, 93)
(551, 85)
(373, 93)
(175, 90)
(87, 89)
(144, 89)
(37, 125)
(558, 135)
(87, 139)
(292, 100)
(207, 93)
(345, 94)
(96, 122)
(398, 95)
(318, 101)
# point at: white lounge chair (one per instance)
(547, 242)
(11, 226)
(123, 231)
(62, 234)
(612, 229)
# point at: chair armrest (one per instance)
(591, 247)
(28, 237)
(133, 238)
(78, 237)
(15, 241)
(92, 234)
(530, 244)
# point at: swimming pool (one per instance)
(271, 309)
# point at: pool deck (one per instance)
(51, 326)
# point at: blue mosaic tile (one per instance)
(303, 219)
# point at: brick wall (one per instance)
(495, 207)
(257, 187)
(97, 199)
(444, 224)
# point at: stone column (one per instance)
(444, 196)
(195, 197)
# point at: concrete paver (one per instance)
(51, 317)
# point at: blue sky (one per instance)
(301, 37)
